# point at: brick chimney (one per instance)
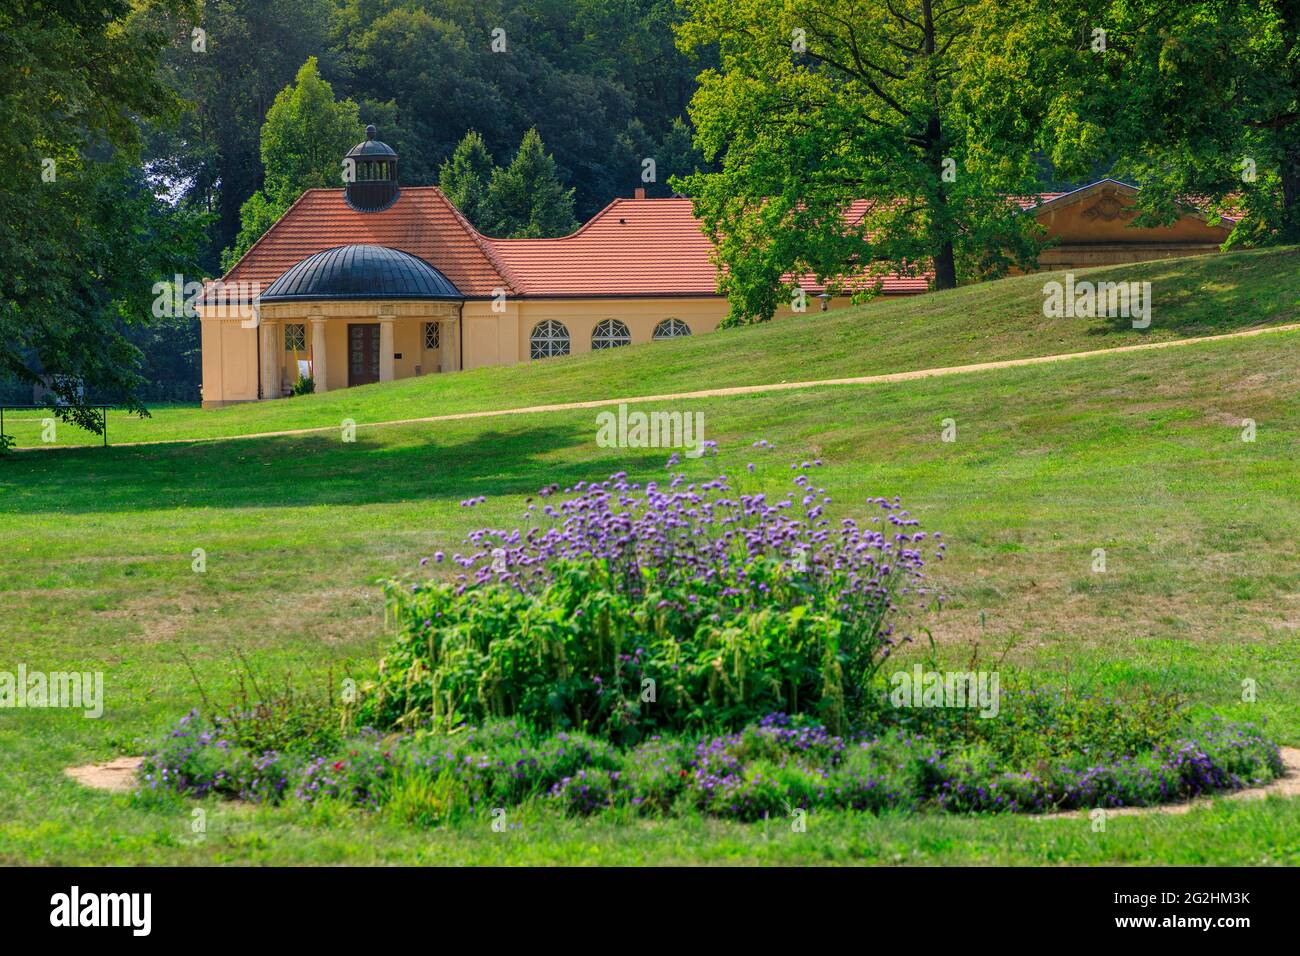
(639, 193)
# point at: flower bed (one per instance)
(769, 768)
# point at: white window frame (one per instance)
(610, 334)
(549, 339)
(295, 336)
(670, 328)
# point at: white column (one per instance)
(271, 348)
(319, 368)
(449, 344)
(444, 345)
(386, 346)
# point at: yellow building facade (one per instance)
(374, 282)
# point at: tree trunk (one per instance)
(1290, 174)
(945, 261)
(945, 266)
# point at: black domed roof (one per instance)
(372, 148)
(361, 272)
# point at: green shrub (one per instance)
(501, 764)
(633, 609)
(586, 791)
(1037, 724)
(200, 757)
(654, 774)
(360, 776)
(413, 797)
(751, 794)
(195, 758)
(1244, 755)
(421, 798)
(894, 771)
(583, 653)
(263, 716)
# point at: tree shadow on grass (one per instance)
(406, 463)
(1198, 296)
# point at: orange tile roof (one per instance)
(643, 247)
(632, 247)
(422, 222)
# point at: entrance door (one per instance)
(363, 354)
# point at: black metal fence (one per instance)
(102, 409)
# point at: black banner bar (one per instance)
(343, 905)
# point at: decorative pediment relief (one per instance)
(1108, 208)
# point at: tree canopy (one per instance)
(846, 149)
(465, 176)
(1197, 100)
(305, 136)
(526, 199)
(601, 81)
(85, 237)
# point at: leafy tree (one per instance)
(424, 71)
(171, 363)
(638, 156)
(586, 73)
(526, 200)
(85, 238)
(464, 178)
(819, 103)
(304, 138)
(678, 156)
(432, 64)
(1198, 99)
(579, 71)
(229, 77)
(632, 147)
(257, 215)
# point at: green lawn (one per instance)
(1191, 297)
(1140, 454)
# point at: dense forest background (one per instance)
(600, 80)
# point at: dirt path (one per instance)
(715, 392)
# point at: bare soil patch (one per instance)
(116, 776)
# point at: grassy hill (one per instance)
(988, 322)
(1137, 453)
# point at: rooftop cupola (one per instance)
(371, 175)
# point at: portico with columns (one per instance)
(355, 342)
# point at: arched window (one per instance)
(671, 329)
(549, 338)
(610, 334)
